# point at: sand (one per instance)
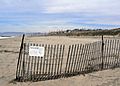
(9, 49)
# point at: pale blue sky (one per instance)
(47, 15)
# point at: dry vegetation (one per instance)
(88, 32)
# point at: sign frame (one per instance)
(36, 51)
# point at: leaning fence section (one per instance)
(80, 59)
(91, 57)
(111, 54)
(83, 58)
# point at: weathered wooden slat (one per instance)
(49, 69)
(111, 56)
(33, 65)
(37, 72)
(97, 57)
(68, 58)
(46, 61)
(76, 58)
(53, 61)
(81, 59)
(73, 58)
(41, 63)
(116, 53)
(28, 62)
(107, 52)
(92, 58)
(84, 57)
(23, 64)
(102, 50)
(118, 64)
(37, 61)
(59, 57)
(37, 65)
(118, 50)
(31, 69)
(62, 59)
(69, 65)
(56, 62)
(88, 58)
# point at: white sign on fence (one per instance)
(36, 51)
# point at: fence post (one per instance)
(21, 47)
(102, 50)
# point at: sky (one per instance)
(49, 15)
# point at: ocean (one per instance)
(5, 37)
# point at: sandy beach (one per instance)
(9, 50)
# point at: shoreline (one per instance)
(6, 37)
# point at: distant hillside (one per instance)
(20, 34)
(116, 29)
(88, 32)
(11, 33)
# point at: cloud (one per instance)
(21, 5)
(62, 6)
(41, 15)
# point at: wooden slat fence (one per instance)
(81, 59)
(111, 54)
(41, 68)
(92, 57)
